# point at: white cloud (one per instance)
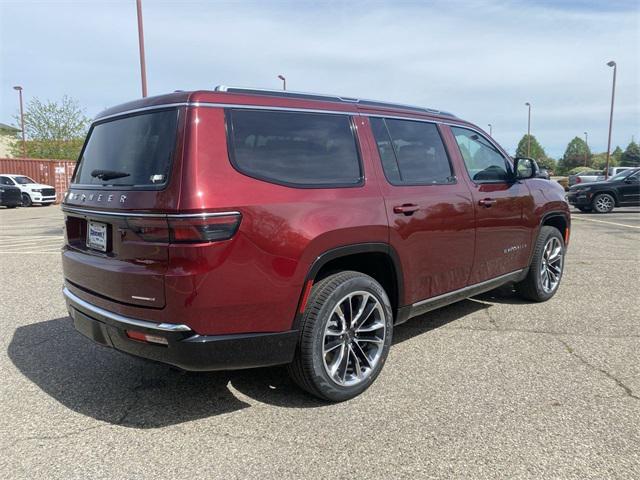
(481, 60)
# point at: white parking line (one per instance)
(602, 221)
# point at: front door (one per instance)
(503, 236)
(430, 212)
(630, 190)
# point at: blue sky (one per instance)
(481, 60)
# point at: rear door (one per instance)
(503, 235)
(430, 212)
(116, 230)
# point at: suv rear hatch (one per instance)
(117, 229)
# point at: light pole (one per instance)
(490, 130)
(528, 130)
(284, 82)
(586, 150)
(613, 96)
(143, 68)
(24, 143)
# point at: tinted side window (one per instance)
(5, 181)
(483, 161)
(385, 148)
(296, 149)
(412, 153)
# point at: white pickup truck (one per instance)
(32, 192)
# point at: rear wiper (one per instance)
(108, 174)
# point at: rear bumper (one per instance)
(185, 349)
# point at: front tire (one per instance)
(547, 267)
(603, 203)
(26, 200)
(345, 336)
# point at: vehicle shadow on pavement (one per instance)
(123, 390)
(112, 387)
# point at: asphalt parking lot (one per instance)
(488, 388)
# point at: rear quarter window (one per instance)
(312, 150)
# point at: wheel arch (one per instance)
(613, 193)
(376, 259)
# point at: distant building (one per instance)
(7, 139)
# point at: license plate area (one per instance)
(97, 235)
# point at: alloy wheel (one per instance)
(551, 265)
(354, 338)
(604, 203)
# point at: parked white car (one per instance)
(586, 177)
(32, 191)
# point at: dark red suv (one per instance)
(241, 228)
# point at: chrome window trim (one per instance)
(89, 211)
(222, 105)
(76, 301)
(138, 110)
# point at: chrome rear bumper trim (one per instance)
(78, 303)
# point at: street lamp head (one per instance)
(281, 77)
(17, 87)
(611, 63)
(528, 104)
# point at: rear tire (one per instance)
(345, 336)
(603, 203)
(26, 200)
(546, 269)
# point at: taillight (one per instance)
(151, 229)
(578, 180)
(186, 229)
(205, 228)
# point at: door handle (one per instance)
(487, 202)
(406, 209)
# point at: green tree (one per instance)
(577, 154)
(616, 154)
(537, 152)
(548, 163)
(631, 156)
(53, 129)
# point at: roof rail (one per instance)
(329, 98)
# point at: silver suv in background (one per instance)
(586, 177)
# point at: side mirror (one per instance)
(525, 168)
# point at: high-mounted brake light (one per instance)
(186, 229)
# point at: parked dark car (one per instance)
(243, 228)
(622, 190)
(10, 195)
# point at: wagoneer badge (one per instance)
(98, 198)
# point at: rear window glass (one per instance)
(294, 149)
(130, 151)
(412, 153)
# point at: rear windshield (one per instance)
(134, 151)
